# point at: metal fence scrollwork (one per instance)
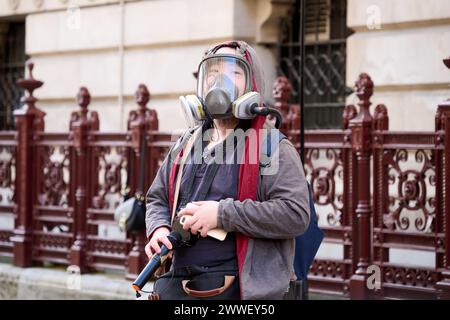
(379, 194)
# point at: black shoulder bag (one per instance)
(130, 214)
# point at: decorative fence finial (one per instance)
(80, 117)
(443, 109)
(348, 114)
(83, 99)
(142, 97)
(380, 118)
(143, 116)
(29, 85)
(281, 92)
(364, 89)
(447, 62)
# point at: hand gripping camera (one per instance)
(178, 238)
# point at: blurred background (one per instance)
(112, 46)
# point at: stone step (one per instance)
(58, 283)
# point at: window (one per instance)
(12, 67)
(325, 60)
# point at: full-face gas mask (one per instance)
(224, 90)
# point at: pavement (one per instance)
(56, 283)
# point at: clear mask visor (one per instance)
(228, 72)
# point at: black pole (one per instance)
(302, 284)
(302, 82)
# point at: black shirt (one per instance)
(208, 251)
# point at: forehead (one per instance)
(229, 64)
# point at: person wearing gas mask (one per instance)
(258, 214)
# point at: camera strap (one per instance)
(186, 152)
(210, 173)
(205, 185)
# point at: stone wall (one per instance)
(401, 44)
(112, 46)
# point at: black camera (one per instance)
(187, 238)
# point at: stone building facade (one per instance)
(111, 46)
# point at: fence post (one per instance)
(80, 125)
(380, 197)
(349, 181)
(140, 122)
(443, 193)
(29, 120)
(361, 140)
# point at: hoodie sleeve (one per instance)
(157, 202)
(284, 213)
(157, 197)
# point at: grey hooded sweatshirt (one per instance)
(279, 214)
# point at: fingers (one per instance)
(165, 241)
(190, 208)
(187, 211)
(154, 244)
(199, 227)
(204, 232)
(189, 222)
(148, 250)
(195, 225)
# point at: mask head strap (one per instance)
(229, 44)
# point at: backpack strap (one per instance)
(270, 145)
